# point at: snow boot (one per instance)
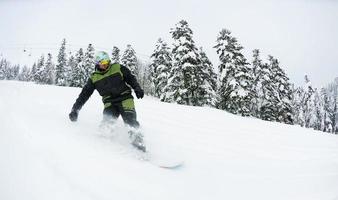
(137, 140)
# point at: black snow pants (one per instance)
(124, 108)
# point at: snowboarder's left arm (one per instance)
(131, 80)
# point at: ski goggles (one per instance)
(103, 62)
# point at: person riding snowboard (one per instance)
(113, 82)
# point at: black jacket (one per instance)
(113, 84)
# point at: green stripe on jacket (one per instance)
(113, 69)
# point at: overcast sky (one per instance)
(302, 34)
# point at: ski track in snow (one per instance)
(45, 156)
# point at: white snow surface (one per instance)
(45, 156)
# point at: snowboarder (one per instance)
(113, 82)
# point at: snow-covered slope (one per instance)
(45, 156)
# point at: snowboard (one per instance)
(161, 161)
(163, 157)
(167, 164)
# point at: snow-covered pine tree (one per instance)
(318, 112)
(297, 95)
(185, 81)
(2, 74)
(13, 72)
(283, 93)
(32, 73)
(88, 63)
(327, 110)
(40, 68)
(144, 76)
(78, 73)
(160, 67)
(129, 60)
(308, 100)
(267, 102)
(49, 72)
(24, 74)
(61, 66)
(207, 85)
(7, 71)
(115, 56)
(4, 67)
(335, 108)
(235, 91)
(147, 83)
(332, 106)
(260, 76)
(72, 79)
(181, 79)
(303, 103)
(16, 71)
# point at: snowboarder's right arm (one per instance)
(86, 92)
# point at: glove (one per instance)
(139, 93)
(73, 115)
